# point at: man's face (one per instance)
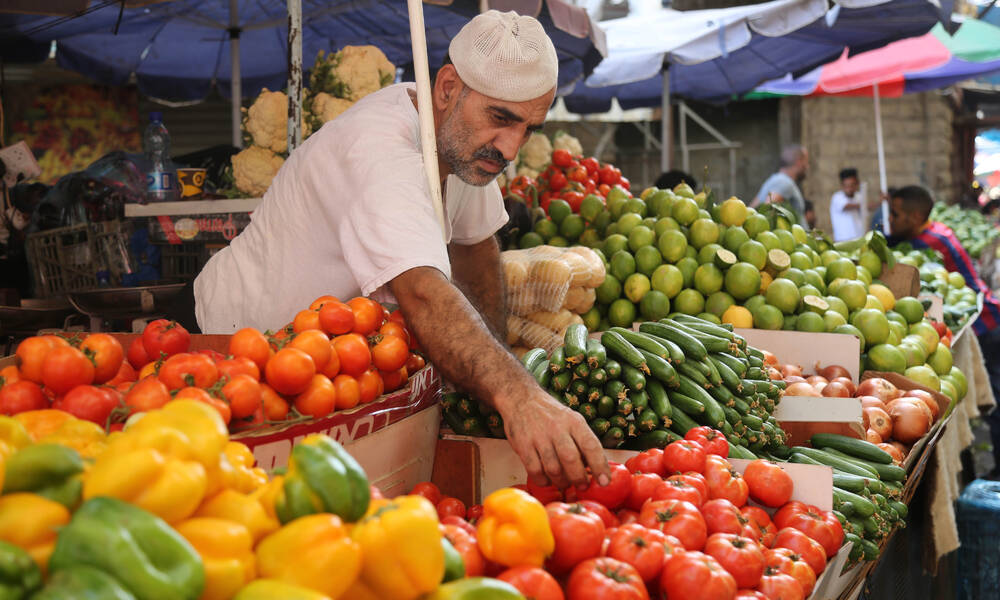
(481, 135)
(850, 186)
(902, 223)
(803, 165)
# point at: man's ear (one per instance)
(447, 85)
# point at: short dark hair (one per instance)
(915, 198)
(848, 172)
(671, 179)
(807, 206)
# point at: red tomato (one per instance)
(336, 318)
(790, 563)
(677, 518)
(647, 461)
(427, 490)
(640, 547)
(147, 394)
(778, 586)
(466, 546)
(238, 365)
(626, 516)
(609, 175)
(562, 158)
(188, 369)
(696, 576)
(609, 518)
(722, 516)
(21, 396)
(820, 525)
(768, 533)
(810, 550)
(348, 391)
(741, 556)
(712, 440)
(578, 533)
(676, 488)
(394, 380)
(696, 480)
(90, 403)
(370, 385)
(545, 493)
(249, 343)
(533, 583)
(724, 481)
(449, 506)
(290, 371)
(474, 513)
(768, 483)
(615, 493)
(643, 487)
(31, 353)
(682, 456)
(106, 353)
(163, 338)
(757, 515)
(66, 367)
(603, 189)
(602, 578)
(575, 199)
(624, 182)
(578, 174)
(557, 181)
(126, 374)
(215, 355)
(459, 522)
(591, 164)
(749, 595)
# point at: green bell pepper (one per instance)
(49, 470)
(322, 478)
(83, 583)
(454, 566)
(19, 575)
(476, 588)
(149, 558)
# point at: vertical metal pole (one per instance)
(880, 146)
(236, 84)
(294, 74)
(425, 108)
(666, 129)
(685, 153)
(732, 172)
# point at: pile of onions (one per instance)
(833, 381)
(911, 419)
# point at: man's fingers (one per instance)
(593, 453)
(529, 458)
(552, 466)
(572, 464)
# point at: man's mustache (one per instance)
(491, 154)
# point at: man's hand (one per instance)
(550, 438)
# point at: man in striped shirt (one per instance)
(910, 209)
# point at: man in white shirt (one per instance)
(350, 213)
(847, 208)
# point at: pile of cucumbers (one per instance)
(644, 389)
(867, 489)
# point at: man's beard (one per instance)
(466, 169)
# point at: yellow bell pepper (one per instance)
(188, 429)
(83, 436)
(235, 470)
(226, 550)
(13, 437)
(270, 589)
(268, 495)
(241, 508)
(40, 423)
(359, 591)
(514, 529)
(401, 543)
(312, 551)
(32, 523)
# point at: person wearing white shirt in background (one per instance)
(848, 212)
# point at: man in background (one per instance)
(671, 179)
(847, 208)
(783, 186)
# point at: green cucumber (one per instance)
(856, 550)
(861, 505)
(606, 406)
(738, 451)
(660, 368)
(712, 343)
(625, 407)
(713, 373)
(781, 451)
(600, 426)
(676, 354)
(613, 438)
(659, 401)
(753, 361)
(633, 378)
(570, 399)
(575, 343)
(621, 348)
(588, 410)
(705, 327)
(542, 373)
(692, 348)
(686, 404)
(582, 371)
(494, 422)
(619, 421)
(467, 407)
(802, 459)
(647, 421)
(722, 394)
(836, 462)
(869, 549)
(862, 449)
(851, 483)
(689, 370)
(594, 393)
(642, 342)
(885, 472)
(614, 369)
(682, 423)
(756, 373)
(532, 358)
(732, 416)
(658, 438)
(713, 411)
(557, 360)
(596, 354)
(901, 509)
(616, 389)
(729, 377)
(640, 400)
(598, 377)
(753, 422)
(741, 406)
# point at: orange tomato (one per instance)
(31, 353)
(332, 368)
(252, 344)
(126, 374)
(9, 374)
(106, 353)
(319, 399)
(148, 369)
(370, 386)
(242, 392)
(238, 365)
(390, 353)
(336, 318)
(289, 371)
(148, 393)
(64, 368)
(352, 350)
(314, 343)
(305, 320)
(348, 391)
(184, 369)
(318, 303)
(367, 315)
(393, 328)
(275, 407)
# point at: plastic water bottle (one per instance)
(161, 177)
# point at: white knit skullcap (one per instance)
(505, 56)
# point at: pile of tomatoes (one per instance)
(333, 356)
(571, 178)
(679, 524)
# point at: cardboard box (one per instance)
(807, 349)
(902, 280)
(802, 416)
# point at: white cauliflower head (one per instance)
(526, 171)
(363, 69)
(564, 141)
(253, 170)
(268, 121)
(536, 152)
(328, 108)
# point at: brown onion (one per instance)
(801, 388)
(832, 371)
(774, 374)
(915, 401)
(873, 437)
(814, 379)
(910, 422)
(872, 401)
(878, 387)
(790, 369)
(835, 389)
(896, 450)
(879, 421)
(846, 381)
(769, 359)
(795, 379)
(927, 399)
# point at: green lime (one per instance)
(647, 260)
(667, 279)
(801, 237)
(665, 224)
(546, 228)
(690, 252)
(621, 313)
(841, 268)
(656, 200)
(649, 222)
(601, 222)
(924, 375)
(590, 238)
(851, 330)
(767, 317)
(810, 322)
(718, 303)
(786, 239)
(559, 242)
(572, 227)
(622, 264)
(687, 266)
(708, 279)
(755, 302)
(684, 211)
(801, 261)
(708, 252)
(684, 190)
(742, 280)
(636, 205)
(591, 207)
(609, 290)
(703, 232)
(783, 295)
(530, 240)
(910, 308)
(794, 275)
(961, 382)
(672, 245)
(788, 322)
(833, 319)
(813, 278)
(883, 357)
(666, 206)
(654, 305)
(864, 276)
(828, 256)
(734, 238)
(872, 324)
(559, 209)
(614, 243)
(689, 302)
(813, 303)
(755, 224)
(754, 253)
(636, 286)
(914, 354)
(627, 221)
(853, 293)
(592, 318)
(941, 360)
(873, 302)
(870, 261)
(733, 212)
(707, 316)
(769, 239)
(640, 237)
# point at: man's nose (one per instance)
(508, 142)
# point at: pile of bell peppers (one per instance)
(171, 508)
